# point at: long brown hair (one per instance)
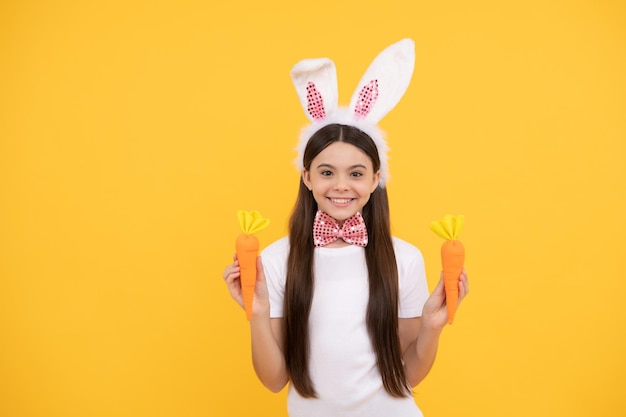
(382, 308)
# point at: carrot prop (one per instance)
(247, 248)
(452, 258)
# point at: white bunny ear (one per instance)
(384, 82)
(316, 84)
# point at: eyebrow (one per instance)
(350, 167)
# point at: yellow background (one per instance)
(132, 132)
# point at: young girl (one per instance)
(341, 308)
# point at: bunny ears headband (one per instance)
(379, 90)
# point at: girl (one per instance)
(341, 308)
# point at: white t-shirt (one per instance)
(342, 362)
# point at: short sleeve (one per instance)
(274, 259)
(411, 278)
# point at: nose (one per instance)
(342, 183)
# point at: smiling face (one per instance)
(341, 178)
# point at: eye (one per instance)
(357, 174)
(326, 173)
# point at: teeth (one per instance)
(340, 200)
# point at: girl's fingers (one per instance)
(232, 268)
(439, 288)
(230, 273)
(261, 287)
(231, 276)
(259, 268)
(438, 296)
(463, 285)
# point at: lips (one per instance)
(340, 201)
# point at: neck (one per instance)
(339, 243)
(339, 222)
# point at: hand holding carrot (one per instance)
(232, 278)
(247, 249)
(434, 313)
(452, 258)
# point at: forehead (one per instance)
(341, 154)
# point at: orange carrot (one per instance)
(247, 249)
(452, 258)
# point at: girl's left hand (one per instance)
(434, 314)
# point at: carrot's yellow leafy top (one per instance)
(251, 221)
(449, 227)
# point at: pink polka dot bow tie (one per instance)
(326, 230)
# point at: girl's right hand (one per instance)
(232, 274)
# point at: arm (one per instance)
(419, 347)
(267, 338)
(265, 333)
(267, 354)
(419, 337)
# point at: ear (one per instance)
(315, 81)
(375, 182)
(306, 179)
(384, 82)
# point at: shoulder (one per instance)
(405, 251)
(276, 252)
(411, 279)
(277, 247)
(408, 258)
(274, 258)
